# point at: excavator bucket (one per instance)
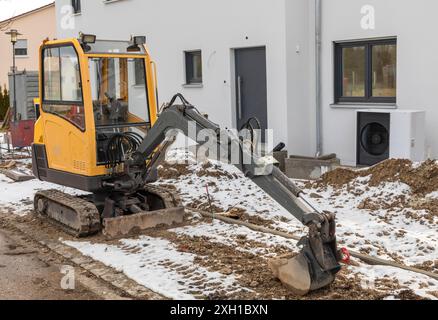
(302, 273)
(293, 272)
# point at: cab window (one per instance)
(62, 91)
(119, 91)
(120, 104)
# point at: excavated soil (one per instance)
(252, 271)
(213, 171)
(169, 171)
(422, 179)
(204, 205)
(173, 171)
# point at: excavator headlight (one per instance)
(139, 40)
(88, 38)
(136, 42)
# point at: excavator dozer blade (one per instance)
(133, 224)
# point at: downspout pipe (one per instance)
(318, 104)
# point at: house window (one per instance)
(366, 71)
(21, 48)
(193, 67)
(76, 4)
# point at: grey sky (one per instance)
(9, 8)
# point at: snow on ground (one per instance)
(391, 233)
(228, 192)
(394, 280)
(223, 233)
(433, 195)
(17, 197)
(160, 265)
(157, 264)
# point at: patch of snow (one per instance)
(370, 276)
(18, 196)
(382, 232)
(230, 193)
(158, 265)
(433, 195)
(226, 234)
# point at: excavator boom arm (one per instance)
(318, 260)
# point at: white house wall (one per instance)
(300, 31)
(414, 24)
(215, 27)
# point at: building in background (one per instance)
(35, 26)
(236, 59)
(204, 48)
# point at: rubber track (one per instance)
(88, 213)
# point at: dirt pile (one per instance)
(214, 171)
(422, 179)
(168, 171)
(252, 272)
(173, 171)
(204, 205)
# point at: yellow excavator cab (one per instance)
(89, 92)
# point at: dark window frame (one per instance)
(188, 59)
(22, 52)
(339, 83)
(76, 5)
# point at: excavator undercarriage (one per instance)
(120, 215)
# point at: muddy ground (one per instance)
(252, 271)
(29, 272)
(33, 273)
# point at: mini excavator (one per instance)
(99, 130)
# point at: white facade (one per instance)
(414, 24)
(215, 27)
(286, 29)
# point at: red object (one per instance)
(346, 256)
(22, 133)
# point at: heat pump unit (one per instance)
(383, 134)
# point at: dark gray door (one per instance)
(251, 92)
